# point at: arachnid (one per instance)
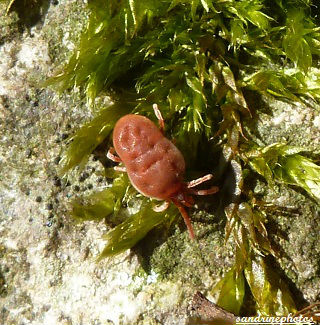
(154, 164)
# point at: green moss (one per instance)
(91, 135)
(284, 164)
(200, 61)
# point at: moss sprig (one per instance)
(197, 59)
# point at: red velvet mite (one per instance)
(154, 164)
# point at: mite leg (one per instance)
(198, 181)
(111, 155)
(120, 169)
(159, 116)
(211, 190)
(186, 218)
(187, 200)
(161, 207)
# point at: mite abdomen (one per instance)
(154, 165)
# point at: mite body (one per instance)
(154, 164)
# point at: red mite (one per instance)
(154, 164)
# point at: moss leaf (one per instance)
(101, 204)
(128, 233)
(298, 50)
(294, 42)
(283, 163)
(300, 171)
(90, 135)
(231, 290)
(269, 290)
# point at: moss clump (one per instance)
(200, 61)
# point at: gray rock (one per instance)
(48, 272)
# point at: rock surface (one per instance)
(48, 272)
